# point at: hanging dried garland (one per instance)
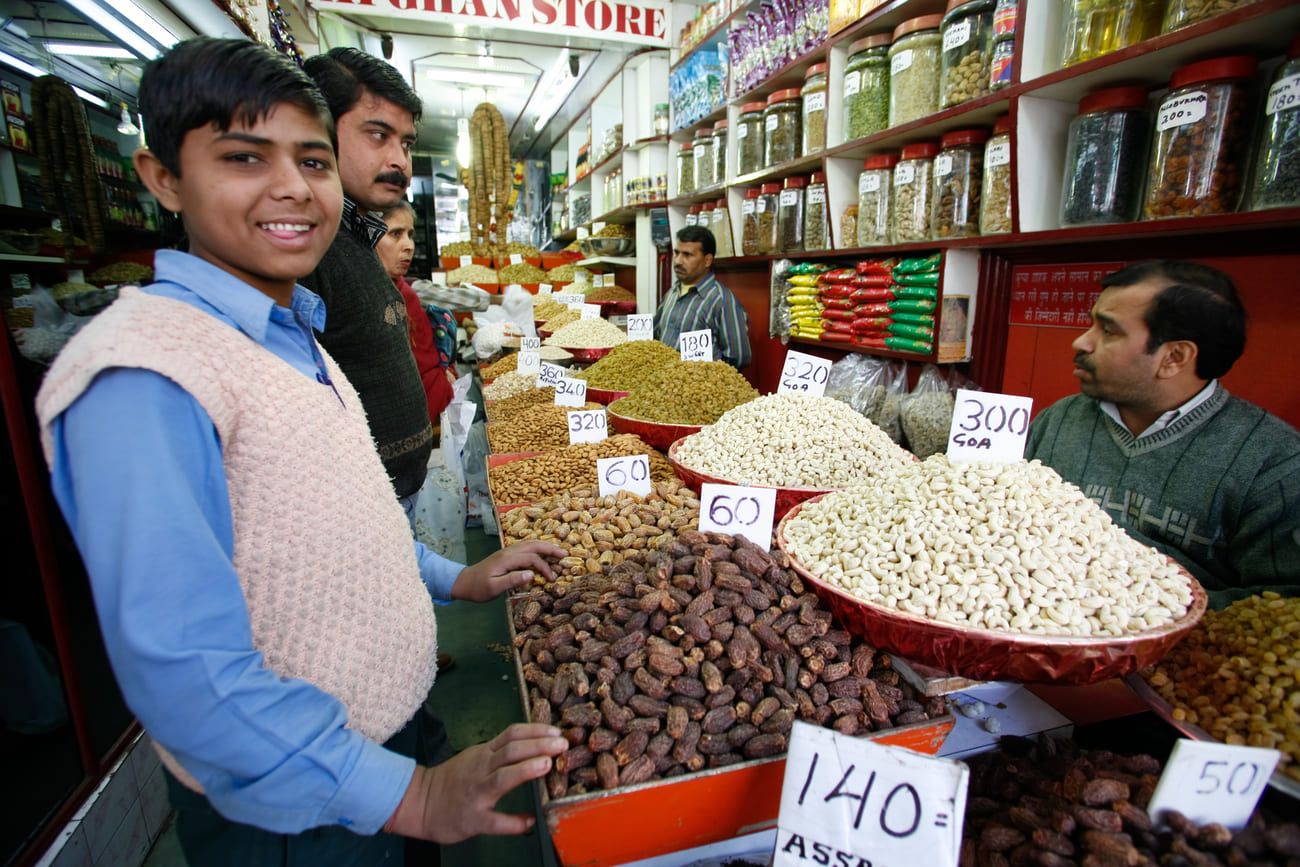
(70, 181)
(490, 178)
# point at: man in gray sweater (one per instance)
(1155, 439)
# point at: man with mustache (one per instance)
(1160, 444)
(698, 302)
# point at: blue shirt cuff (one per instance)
(438, 573)
(370, 793)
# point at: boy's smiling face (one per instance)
(260, 201)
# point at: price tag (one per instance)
(582, 233)
(1182, 110)
(76, 275)
(901, 62)
(570, 392)
(869, 182)
(569, 298)
(956, 35)
(530, 343)
(852, 83)
(904, 173)
(738, 511)
(698, 151)
(596, 227)
(696, 345)
(588, 426)
(516, 259)
(1212, 782)
(549, 375)
(989, 427)
(855, 802)
(815, 101)
(466, 261)
(641, 326)
(999, 154)
(816, 196)
(544, 289)
(589, 311)
(598, 281)
(628, 473)
(20, 281)
(742, 131)
(942, 165)
(530, 361)
(804, 374)
(770, 122)
(747, 207)
(789, 198)
(1283, 95)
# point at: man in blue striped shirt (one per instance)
(698, 301)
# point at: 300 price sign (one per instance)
(852, 802)
(628, 473)
(989, 427)
(570, 392)
(804, 374)
(1213, 782)
(587, 426)
(696, 345)
(549, 375)
(738, 511)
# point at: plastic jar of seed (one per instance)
(789, 216)
(750, 138)
(914, 58)
(995, 198)
(1277, 170)
(910, 208)
(693, 216)
(1106, 157)
(749, 222)
(720, 226)
(1202, 138)
(816, 214)
(813, 97)
(849, 222)
(866, 87)
(702, 151)
(874, 194)
(958, 180)
(765, 209)
(720, 152)
(1002, 65)
(686, 168)
(781, 123)
(967, 47)
(705, 217)
(1183, 13)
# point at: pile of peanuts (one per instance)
(792, 441)
(507, 409)
(586, 334)
(508, 385)
(509, 363)
(1237, 675)
(559, 320)
(701, 657)
(541, 427)
(686, 392)
(567, 469)
(1006, 547)
(629, 366)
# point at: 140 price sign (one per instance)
(989, 427)
(628, 473)
(1213, 782)
(738, 511)
(851, 802)
(804, 374)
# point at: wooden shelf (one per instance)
(779, 172)
(609, 261)
(606, 162)
(708, 194)
(980, 112)
(864, 350)
(717, 31)
(885, 17)
(641, 144)
(35, 260)
(688, 131)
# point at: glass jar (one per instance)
(702, 149)
(720, 152)
(1097, 27)
(910, 208)
(749, 223)
(914, 69)
(967, 46)
(686, 169)
(1198, 161)
(958, 180)
(1182, 13)
(874, 186)
(720, 226)
(1106, 158)
(866, 87)
(781, 122)
(816, 214)
(1002, 65)
(813, 97)
(705, 218)
(750, 138)
(693, 216)
(661, 118)
(789, 216)
(1277, 171)
(995, 198)
(849, 223)
(765, 211)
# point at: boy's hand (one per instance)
(457, 799)
(505, 570)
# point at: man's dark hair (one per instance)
(342, 73)
(1199, 304)
(210, 81)
(698, 235)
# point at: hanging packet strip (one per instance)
(802, 280)
(833, 290)
(926, 280)
(839, 315)
(873, 280)
(840, 304)
(839, 275)
(916, 332)
(870, 342)
(911, 305)
(916, 266)
(874, 325)
(923, 319)
(905, 344)
(865, 310)
(883, 267)
(873, 296)
(807, 268)
(904, 290)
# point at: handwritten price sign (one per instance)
(804, 374)
(589, 311)
(641, 326)
(629, 473)
(1210, 782)
(530, 343)
(587, 426)
(989, 427)
(696, 345)
(854, 802)
(549, 375)
(530, 361)
(568, 298)
(570, 392)
(738, 511)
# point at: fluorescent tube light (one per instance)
(89, 97)
(102, 17)
(36, 72)
(555, 88)
(82, 49)
(146, 22)
(479, 78)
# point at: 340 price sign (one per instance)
(696, 345)
(570, 392)
(804, 374)
(549, 375)
(1213, 782)
(852, 802)
(738, 511)
(587, 426)
(989, 427)
(627, 473)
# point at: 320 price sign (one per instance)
(852, 802)
(627, 473)
(738, 511)
(989, 427)
(804, 374)
(587, 426)
(1213, 782)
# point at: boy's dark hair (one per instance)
(1199, 304)
(220, 81)
(342, 73)
(699, 235)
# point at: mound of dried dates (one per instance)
(701, 657)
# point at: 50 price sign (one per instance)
(989, 427)
(696, 345)
(587, 426)
(1213, 782)
(857, 803)
(549, 375)
(738, 511)
(628, 473)
(804, 374)
(570, 392)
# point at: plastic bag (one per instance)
(927, 413)
(883, 267)
(902, 290)
(916, 332)
(803, 280)
(917, 266)
(517, 303)
(911, 305)
(839, 275)
(893, 376)
(52, 326)
(440, 509)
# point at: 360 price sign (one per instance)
(549, 374)
(989, 427)
(627, 473)
(804, 374)
(738, 511)
(1213, 782)
(587, 426)
(570, 392)
(696, 345)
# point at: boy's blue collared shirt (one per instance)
(137, 471)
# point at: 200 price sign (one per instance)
(587, 426)
(1213, 782)
(852, 802)
(804, 374)
(570, 392)
(989, 427)
(641, 326)
(738, 511)
(627, 473)
(696, 345)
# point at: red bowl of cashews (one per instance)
(786, 498)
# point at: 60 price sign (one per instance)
(570, 392)
(989, 427)
(627, 473)
(1213, 782)
(696, 345)
(804, 374)
(738, 511)
(587, 426)
(853, 802)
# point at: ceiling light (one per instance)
(146, 22)
(89, 97)
(127, 126)
(36, 72)
(82, 49)
(555, 87)
(102, 17)
(480, 78)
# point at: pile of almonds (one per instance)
(542, 426)
(569, 468)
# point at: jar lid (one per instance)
(875, 40)
(816, 69)
(752, 193)
(720, 205)
(708, 206)
(687, 145)
(819, 177)
(703, 134)
(881, 161)
(753, 106)
(796, 182)
(953, 4)
(771, 188)
(1217, 69)
(964, 137)
(783, 95)
(695, 209)
(1114, 98)
(1002, 124)
(925, 22)
(920, 150)
(720, 126)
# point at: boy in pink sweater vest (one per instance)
(267, 615)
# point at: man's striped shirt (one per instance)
(707, 304)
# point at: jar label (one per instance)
(999, 154)
(956, 36)
(789, 198)
(743, 132)
(692, 219)
(816, 195)
(942, 166)
(852, 83)
(747, 207)
(815, 101)
(698, 150)
(1000, 67)
(868, 182)
(904, 173)
(900, 62)
(760, 206)
(1182, 110)
(770, 122)
(1284, 95)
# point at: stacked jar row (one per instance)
(790, 216)
(702, 161)
(1093, 28)
(715, 217)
